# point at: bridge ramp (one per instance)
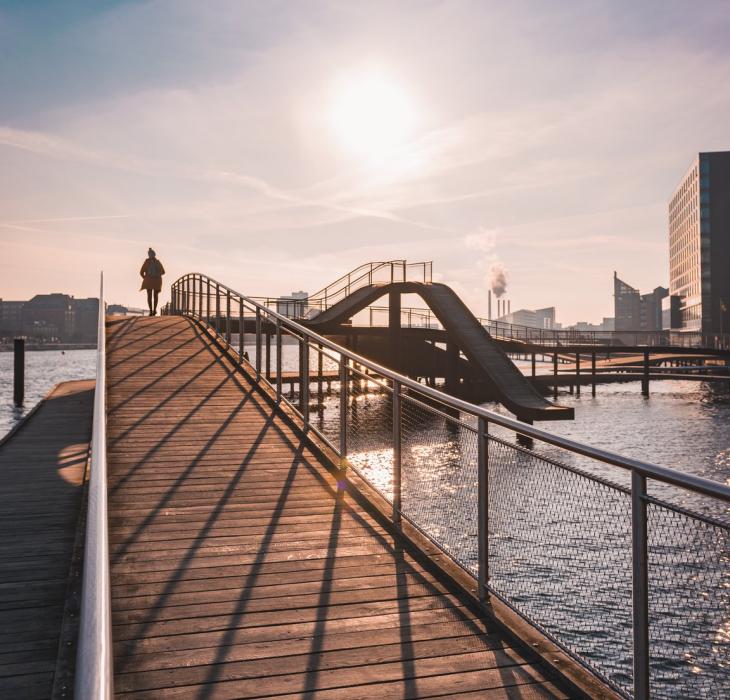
(509, 385)
(241, 569)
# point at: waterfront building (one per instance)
(293, 306)
(540, 318)
(634, 311)
(50, 316)
(699, 244)
(11, 317)
(86, 314)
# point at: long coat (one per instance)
(152, 281)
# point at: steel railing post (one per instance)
(483, 514)
(258, 343)
(640, 570)
(228, 317)
(217, 309)
(267, 365)
(207, 303)
(343, 409)
(200, 297)
(397, 462)
(240, 330)
(278, 360)
(304, 379)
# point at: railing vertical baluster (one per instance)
(397, 462)
(304, 379)
(200, 297)
(217, 308)
(343, 408)
(267, 370)
(240, 330)
(278, 360)
(640, 570)
(228, 317)
(207, 303)
(258, 343)
(483, 515)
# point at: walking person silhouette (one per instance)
(151, 273)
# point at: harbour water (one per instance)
(43, 370)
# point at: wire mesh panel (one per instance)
(439, 478)
(689, 604)
(325, 393)
(370, 430)
(560, 553)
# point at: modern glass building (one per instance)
(699, 244)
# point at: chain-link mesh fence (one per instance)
(689, 602)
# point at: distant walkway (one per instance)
(240, 570)
(42, 470)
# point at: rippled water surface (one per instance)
(43, 370)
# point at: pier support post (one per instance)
(278, 360)
(18, 370)
(304, 385)
(396, 453)
(593, 373)
(577, 374)
(343, 410)
(258, 344)
(640, 597)
(645, 378)
(483, 512)
(452, 366)
(394, 330)
(320, 363)
(555, 375)
(268, 352)
(533, 364)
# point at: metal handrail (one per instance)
(189, 289)
(514, 331)
(94, 659)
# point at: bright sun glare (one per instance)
(372, 117)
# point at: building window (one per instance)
(705, 167)
(705, 183)
(705, 197)
(705, 212)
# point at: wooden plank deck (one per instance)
(42, 468)
(240, 569)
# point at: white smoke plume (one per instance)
(498, 279)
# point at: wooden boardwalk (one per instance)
(241, 570)
(42, 468)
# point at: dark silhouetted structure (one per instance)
(634, 311)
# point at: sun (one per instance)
(372, 116)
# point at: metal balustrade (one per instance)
(425, 318)
(94, 679)
(622, 563)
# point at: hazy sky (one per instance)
(275, 145)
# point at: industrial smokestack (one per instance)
(509, 306)
(489, 304)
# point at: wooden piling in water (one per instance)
(18, 370)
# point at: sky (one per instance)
(276, 145)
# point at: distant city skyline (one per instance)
(277, 145)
